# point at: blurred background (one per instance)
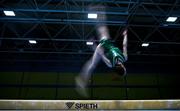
(44, 44)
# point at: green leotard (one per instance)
(112, 52)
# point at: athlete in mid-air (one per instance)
(112, 56)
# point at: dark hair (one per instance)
(120, 69)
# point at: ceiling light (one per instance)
(145, 44)
(92, 16)
(171, 19)
(32, 41)
(9, 13)
(89, 43)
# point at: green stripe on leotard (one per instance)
(112, 52)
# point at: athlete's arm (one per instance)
(125, 44)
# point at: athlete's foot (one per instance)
(80, 86)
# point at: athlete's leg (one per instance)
(88, 68)
(100, 50)
(90, 65)
(103, 56)
(103, 32)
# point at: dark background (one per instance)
(46, 70)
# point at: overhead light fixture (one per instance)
(171, 19)
(92, 15)
(145, 44)
(89, 43)
(32, 42)
(9, 13)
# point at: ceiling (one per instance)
(62, 28)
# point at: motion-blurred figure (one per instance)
(112, 56)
